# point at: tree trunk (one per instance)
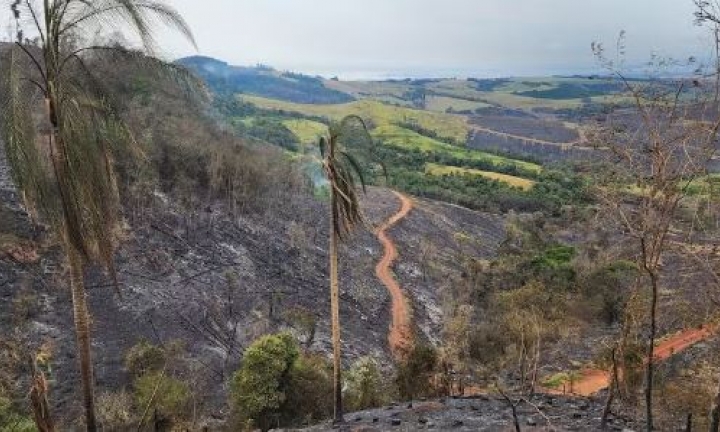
(715, 413)
(335, 315)
(82, 333)
(73, 244)
(650, 369)
(611, 391)
(39, 402)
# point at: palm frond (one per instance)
(157, 70)
(141, 16)
(356, 170)
(69, 175)
(322, 144)
(18, 101)
(344, 170)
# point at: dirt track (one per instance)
(400, 335)
(593, 380)
(529, 140)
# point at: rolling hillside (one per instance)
(445, 125)
(262, 81)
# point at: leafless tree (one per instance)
(658, 148)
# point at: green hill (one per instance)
(262, 81)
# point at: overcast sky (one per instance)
(394, 38)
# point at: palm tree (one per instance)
(343, 172)
(62, 135)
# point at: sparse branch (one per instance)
(513, 407)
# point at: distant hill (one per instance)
(263, 81)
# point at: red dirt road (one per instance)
(593, 380)
(400, 337)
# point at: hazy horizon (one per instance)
(431, 38)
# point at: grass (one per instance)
(702, 187)
(404, 138)
(446, 125)
(518, 182)
(559, 379)
(384, 117)
(443, 103)
(372, 89)
(307, 131)
(705, 186)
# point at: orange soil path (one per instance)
(400, 335)
(593, 380)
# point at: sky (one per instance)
(363, 39)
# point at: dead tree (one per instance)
(614, 379)
(39, 401)
(658, 149)
(513, 404)
(715, 413)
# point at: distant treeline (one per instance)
(263, 81)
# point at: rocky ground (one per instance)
(482, 414)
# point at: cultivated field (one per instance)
(518, 182)
(445, 103)
(446, 125)
(530, 127)
(397, 136)
(307, 131)
(515, 93)
(527, 148)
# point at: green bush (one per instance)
(259, 388)
(364, 385)
(157, 388)
(143, 358)
(169, 396)
(310, 393)
(277, 386)
(11, 421)
(414, 375)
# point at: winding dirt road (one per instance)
(400, 337)
(592, 381)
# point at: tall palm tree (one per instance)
(343, 172)
(62, 135)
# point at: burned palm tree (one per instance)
(62, 134)
(344, 175)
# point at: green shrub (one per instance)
(11, 421)
(310, 393)
(364, 385)
(169, 396)
(156, 385)
(607, 288)
(143, 358)
(259, 387)
(277, 386)
(414, 375)
(554, 257)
